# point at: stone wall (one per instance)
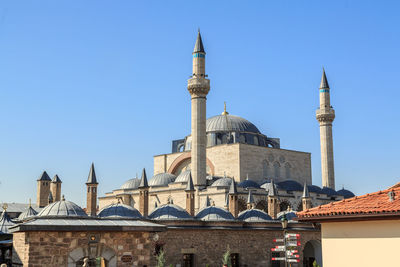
(208, 246)
(38, 249)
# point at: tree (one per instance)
(160, 259)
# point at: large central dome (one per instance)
(230, 123)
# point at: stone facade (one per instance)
(54, 249)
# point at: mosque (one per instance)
(224, 185)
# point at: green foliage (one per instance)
(315, 264)
(160, 259)
(207, 265)
(226, 258)
(171, 265)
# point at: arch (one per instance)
(262, 205)
(187, 157)
(287, 170)
(94, 251)
(277, 169)
(265, 169)
(312, 251)
(284, 205)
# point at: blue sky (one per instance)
(105, 81)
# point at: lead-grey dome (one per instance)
(226, 123)
(222, 182)
(62, 208)
(183, 177)
(131, 184)
(120, 210)
(5, 223)
(162, 179)
(169, 212)
(254, 215)
(30, 212)
(212, 213)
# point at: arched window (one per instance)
(277, 169)
(265, 169)
(287, 170)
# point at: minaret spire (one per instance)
(325, 116)
(198, 87)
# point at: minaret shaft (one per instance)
(198, 87)
(325, 116)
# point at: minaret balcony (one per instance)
(325, 115)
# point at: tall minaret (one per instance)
(325, 116)
(198, 87)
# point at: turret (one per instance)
(91, 195)
(233, 199)
(306, 199)
(250, 200)
(325, 116)
(43, 190)
(190, 196)
(273, 205)
(55, 188)
(198, 87)
(144, 195)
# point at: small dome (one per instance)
(162, 179)
(212, 213)
(62, 208)
(131, 184)
(5, 223)
(345, 193)
(225, 123)
(169, 212)
(119, 210)
(290, 185)
(314, 189)
(30, 212)
(222, 182)
(183, 177)
(254, 215)
(329, 191)
(290, 215)
(248, 184)
(267, 185)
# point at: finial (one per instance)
(30, 203)
(225, 112)
(63, 198)
(5, 206)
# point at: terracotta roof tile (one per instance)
(381, 202)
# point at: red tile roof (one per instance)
(378, 204)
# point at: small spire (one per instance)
(250, 198)
(56, 179)
(143, 180)
(44, 177)
(198, 47)
(63, 198)
(92, 176)
(189, 186)
(225, 112)
(232, 188)
(207, 202)
(305, 191)
(272, 190)
(324, 81)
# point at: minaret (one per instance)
(233, 199)
(91, 195)
(43, 190)
(144, 195)
(273, 205)
(198, 87)
(325, 116)
(306, 199)
(55, 188)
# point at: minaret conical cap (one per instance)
(44, 177)
(92, 176)
(198, 47)
(250, 198)
(189, 186)
(56, 179)
(324, 81)
(272, 190)
(232, 188)
(143, 180)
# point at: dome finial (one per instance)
(225, 112)
(5, 206)
(30, 203)
(63, 198)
